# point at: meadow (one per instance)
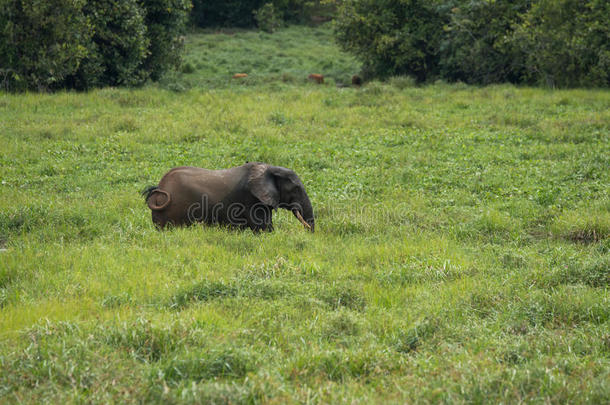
(461, 252)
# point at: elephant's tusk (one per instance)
(300, 218)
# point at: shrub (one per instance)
(303, 11)
(42, 42)
(242, 13)
(558, 43)
(119, 45)
(392, 37)
(46, 45)
(229, 13)
(166, 22)
(475, 48)
(565, 43)
(267, 19)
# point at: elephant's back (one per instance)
(186, 170)
(190, 182)
(187, 175)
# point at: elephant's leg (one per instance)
(261, 220)
(267, 225)
(159, 219)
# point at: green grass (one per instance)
(287, 56)
(461, 253)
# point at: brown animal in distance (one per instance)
(239, 75)
(314, 77)
(356, 80)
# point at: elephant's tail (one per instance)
(155, 198)
(148, 191)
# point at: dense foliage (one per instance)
(557, 43)
(42, 42)
(476, 47)
(165, 21)
(46, 45)
(267, 18)
(392, 37)
(234, 13)
(243, 13)
(566, 42)
(119, 45)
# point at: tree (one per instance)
(52, 44)
(566, 43)
(42, 42)
(393, 37)
(554, 42)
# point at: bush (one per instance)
(166, 23)
(304, 11)
(242, 13)
(42, 42)
(565, 43)
(476, 47)
(119, 45)
(229, 13)
(558, 43)
(267, 18)
(392, 37)
(47, 45)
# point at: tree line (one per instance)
(556, 43)
(81, 44)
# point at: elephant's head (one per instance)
(279, 187)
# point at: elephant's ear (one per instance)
(262, 185)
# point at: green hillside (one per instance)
(285, 57)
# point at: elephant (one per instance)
(242, 197)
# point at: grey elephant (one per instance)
(242, 197)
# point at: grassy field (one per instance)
(461, 253)
(288, 56)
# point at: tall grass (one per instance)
(460, 254)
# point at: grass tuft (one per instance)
(583, 226)
(209, 364)
(411, 339)
(343, 297)
(141, 340)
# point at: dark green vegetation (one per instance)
(556, 43)
(57, 44)
(243, 13)
(461, 253)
